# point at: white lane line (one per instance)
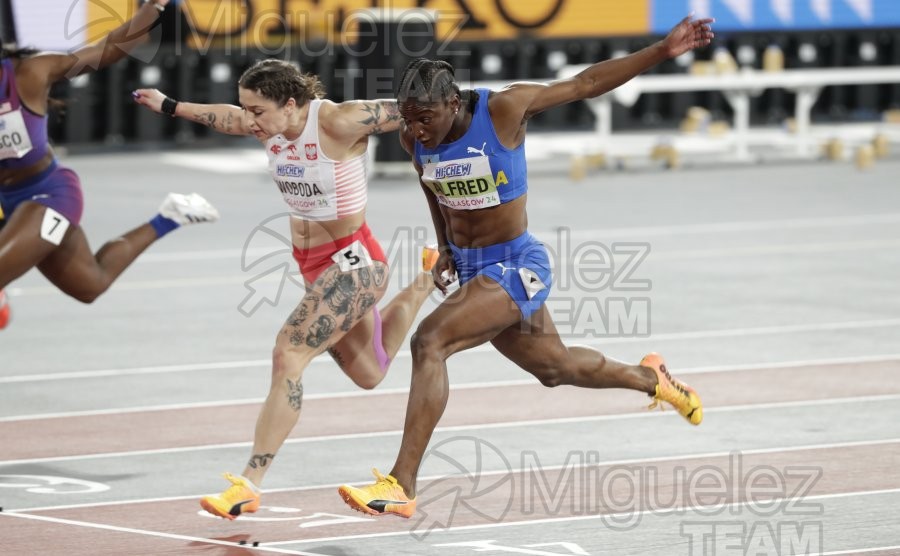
(546, 235)
(656, 256)
(607, 463)
(171, 536)
(159, 369)
(630, 515)
(167, 283)
(213, 254)
(862, 550)
(393, 391)
(464, 428)
(745, 226)
(249, 401)
(773, 249)
(484, 348)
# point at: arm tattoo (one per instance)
(295, 394)
(212, 120)
(229, 122)
(379, 113)
(260, 460)
(206, 118)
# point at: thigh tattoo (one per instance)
(364, 302)
(309, 306)
(320, 331)
(338, 358)
(365, 278)
(339, 292)
(380, 272)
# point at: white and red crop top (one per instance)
(313, 185)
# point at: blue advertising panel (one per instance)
(761, 15)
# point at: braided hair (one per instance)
(427, 81)
(11, 51)
(281, 81)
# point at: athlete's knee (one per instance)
(368, 381)
(551, 371)
(89, 289)
(287, 364)
(427, 344)
(87, 296)
(549, 377)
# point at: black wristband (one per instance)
(168, 106)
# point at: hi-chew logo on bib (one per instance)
(464, 184)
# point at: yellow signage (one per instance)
(270, 22)
(260, 23)
(105, 15)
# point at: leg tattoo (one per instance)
(295, 394)
(365, 278)
(260, 460)
(338, 358)
(320, 331)
(380, 274)
(339, 292)
(309, 306)
(364, 303)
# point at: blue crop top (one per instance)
(476, 171)
(23, 134)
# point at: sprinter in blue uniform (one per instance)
(468, 147)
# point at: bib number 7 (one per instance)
(54, 226)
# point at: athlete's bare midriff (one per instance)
(12, 176)
(306, 234)
(483, 227)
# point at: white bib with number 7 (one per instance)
(54, 226)
(352, 257)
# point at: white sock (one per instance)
(252, 486)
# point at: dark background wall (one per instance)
(100, 109)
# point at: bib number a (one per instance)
(54, 226)
(352, 257)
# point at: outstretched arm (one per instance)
(109, 50)
(356, 119)
(224, 118)
(602, 77)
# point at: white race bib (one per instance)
(301, 187)
(54, 226)
(14, 139)
(352, 257)
(463, 184)
(532, 282)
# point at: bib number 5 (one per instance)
(352, 257)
